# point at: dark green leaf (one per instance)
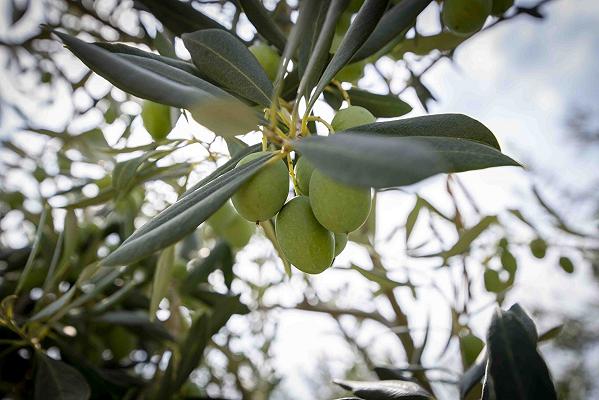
(263, 22)
(181, 218)
(136, 320)
(198, 337)
(472, 377)
(386, 390)
(394, 23)
(525, 320)
(180, 17)
(229, 165)
(226, 60)
(387, 161)
(379, 278)
(380, 105)
(311, 36)
(120, 48)
(235, 146)
(517, 369)
(362, 26)
(456, 126)
(538, 247)
(56, 380)
(161, 83)
(412, 218)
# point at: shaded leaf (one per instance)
(517, 369)
(56, 380)
(181, 218)
(566, 264)
(472, 377)
(180, 17)
(395, 22)
(235, 146)
(456, 126)
(412, 218)
(137, 320)
(385, 390)
(263, 22)
(362, 26)
(377, 277)
(317, 15)
(386, 161)
(226, 60)
(380, 105)
(201, 268)
(162, 276)
(320, 51)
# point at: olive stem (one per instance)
(322, 121)
(343, 91)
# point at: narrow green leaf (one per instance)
(263, 22)
(181, 218)
(226, 60)
(162, 83)
(235, 146)
(119, 48)
(306, 47)
(162, 276)
(34, 250)
(137, 320)
(57, 380)
(228, 166)
(387, 390)
(517, 369)
(423, 45)
(470, 235)
(362, 26)
(320, 52)
(55, 306)
(412, 218)
(379, 278)
(180, 17)
(380, 105)
(456, 126)
(394, 23)
(388, 161)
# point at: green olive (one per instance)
(340, 242)
(338, 207)
(303, 173)
(263, 195)
(350, 117)
(304, 242)
(230, 226)
(501, 6)
(465, 17)
(157, 119)
(268, 58)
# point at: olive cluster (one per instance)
(466, 17)
(312, 227)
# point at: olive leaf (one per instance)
(468, 236)
(57, 380)
(320, 52)
(306, 47)
(180, 17)
(162, 277)
(380, 105)
(362, 26)
(386, 161)
(423, 45)
(395, 22)
(456, 126)
(164, 84)
(387, 390)
(227, 61)
(263, 22)
(515, 367)
(182, 217)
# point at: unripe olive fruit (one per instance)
(350, 117)
(465, 16)
(263, 195)
(338, 207)
(239, 232)
(501, 6)
(303, 173)
(157, 119)
(268, 58)
(304, 242)
(340, 242)
(231, 227)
